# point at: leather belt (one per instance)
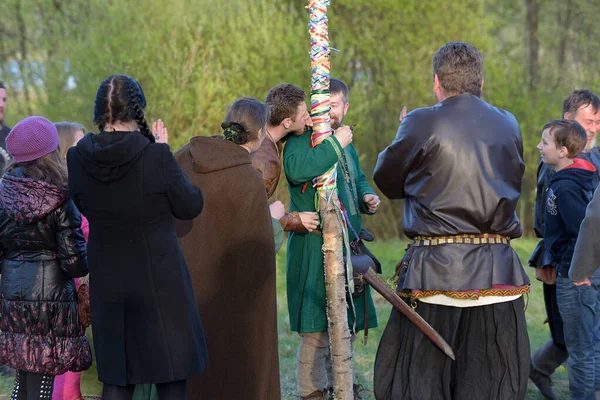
(483, 238)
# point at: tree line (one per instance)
(194, 57)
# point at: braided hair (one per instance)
(121, 98)
(137, 101)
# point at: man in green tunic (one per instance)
(305, 270)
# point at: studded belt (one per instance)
(484, 238)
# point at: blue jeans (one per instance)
(579, 308)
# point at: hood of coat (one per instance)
(109, 156)
(26, 199)
(580, 172)
(214, 153)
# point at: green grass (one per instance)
(388, 253)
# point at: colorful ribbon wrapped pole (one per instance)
(333, 224)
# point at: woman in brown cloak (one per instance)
(230, 253)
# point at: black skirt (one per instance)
(490, 342)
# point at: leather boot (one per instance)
(543, 383)
(543, 364)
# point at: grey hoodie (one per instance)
(586, 258)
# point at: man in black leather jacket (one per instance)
(458, 166)
(584, 107)
(4, 131)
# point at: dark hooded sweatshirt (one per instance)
(144, 317)
(570, 191)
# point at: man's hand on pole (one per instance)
(372, 202)
(344, 135)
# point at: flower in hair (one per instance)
(235, 132)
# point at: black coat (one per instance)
(459, 167)
(42, 249)
(145, 320)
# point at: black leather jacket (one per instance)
(459, 167)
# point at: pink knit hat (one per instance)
(32, 138)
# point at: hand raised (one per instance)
(403, 114)
(160, 131)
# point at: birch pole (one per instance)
(332, 221)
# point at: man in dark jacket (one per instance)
(568, 195)
(582, 106)
(459, 167)
(4, 130)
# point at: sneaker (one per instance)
(543, 383)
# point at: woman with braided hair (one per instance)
(145, 321)
(230, 253)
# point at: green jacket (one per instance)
(278, 233)
(305, 271)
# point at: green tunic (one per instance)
(145, 392)
(278, 233)
(305, 271)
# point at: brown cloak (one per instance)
(230, 255)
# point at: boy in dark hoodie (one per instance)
(570, 191)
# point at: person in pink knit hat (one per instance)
(42, 249)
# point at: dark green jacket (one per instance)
(305, 271)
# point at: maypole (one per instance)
(327, 197)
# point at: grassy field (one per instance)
(388, 253)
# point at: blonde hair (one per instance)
(66, 135)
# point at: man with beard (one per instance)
(305, 267)
(584, 107)
(4, 130)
